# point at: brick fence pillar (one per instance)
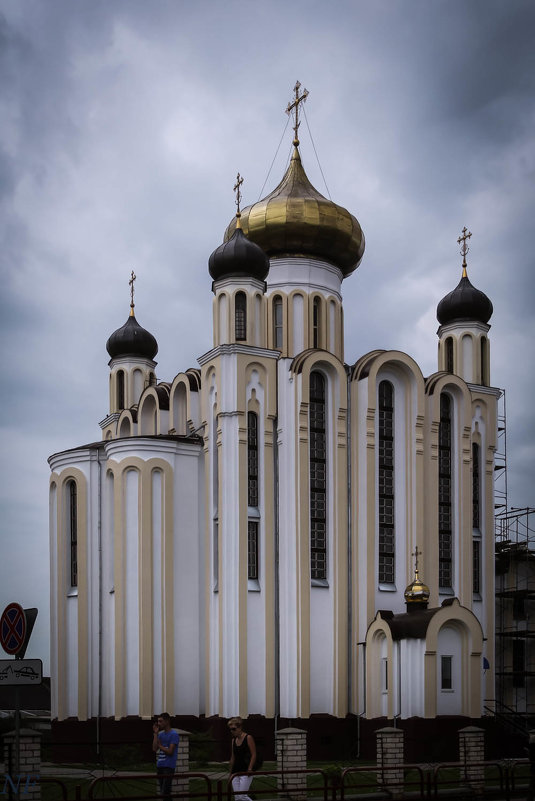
(292, 756)
(26, 779)
(472, 749)
(182, 762)
(390, 757)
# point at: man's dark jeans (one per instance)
(165, 778)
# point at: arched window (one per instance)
(120, 390)
(484, 376)
(449, 355)
(316, 322)
(72, 530)
(445, 525)
(277, 322)
(318, 478)
(240, 316)
(386, 484)
(252, 495)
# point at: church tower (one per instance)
(463, 315)
(132, 350)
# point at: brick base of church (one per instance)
(328, 739)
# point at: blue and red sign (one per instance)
(12, 628)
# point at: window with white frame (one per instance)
(445, 493)
(446, 672)
(386, 516)
(252, 496)
(72, 530)
(318, 478)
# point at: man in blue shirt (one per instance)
(165, 744)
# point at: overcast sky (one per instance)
(122, 127)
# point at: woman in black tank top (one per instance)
(242, 758)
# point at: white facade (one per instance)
(184, 574)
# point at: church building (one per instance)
(279, 532)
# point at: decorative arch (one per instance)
(153, 411)
(125, 426)
(317, 317)
(135, 598)
(79, 639)
(240, 316)
(297, 322)
(277, 316)
(379, 669)
(461, 620)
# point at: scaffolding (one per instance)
(515, 594)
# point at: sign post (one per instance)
(16, 625)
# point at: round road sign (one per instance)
(12, 628)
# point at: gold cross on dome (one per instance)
(294, 106)
(464, 246)
(131, 283)
(237, 189)
(416, 554)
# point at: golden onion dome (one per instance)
(295, 219)
(417, 591)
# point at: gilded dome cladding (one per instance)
(295, 219)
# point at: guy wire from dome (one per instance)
(297, 220)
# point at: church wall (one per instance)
(299, 281)
(186, 675)
(290, 577)
(412, 681)
(70, 605)
(240, 619)
(450, 700)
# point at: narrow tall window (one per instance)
(484, 376)
(449, 355)
(446, 676)
(445, 532)
(476, 487)
(252, 459)
(240, 316)
(252, 549)
(72, 506)
(120, 390)
(386, 483)
(316, 314)
(252, 494)
(318, 478)
(277, 322)
(476, 566)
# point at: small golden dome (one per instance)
(417, 591)
(295, 219)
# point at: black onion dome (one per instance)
(132, 340)
(238, 256)
(465, 302)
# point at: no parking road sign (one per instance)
(12, 628)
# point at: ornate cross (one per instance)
(464, 246)
(416, 554)
(237, 189)
(131, 283)
(295, 105)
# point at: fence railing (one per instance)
(500, 779)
